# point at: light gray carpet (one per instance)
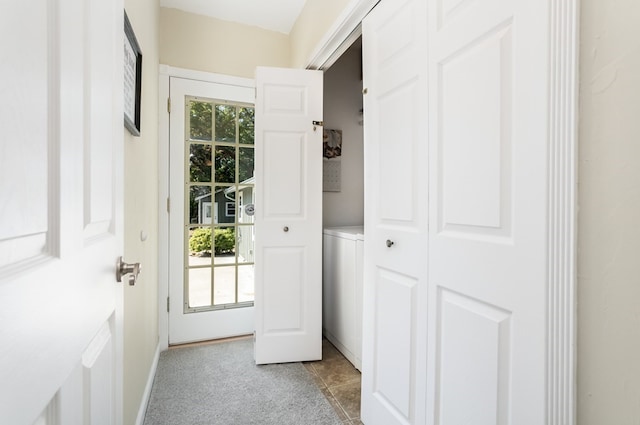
(221, 384)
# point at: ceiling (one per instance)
(275, 15)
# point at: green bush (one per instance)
(200, 240)
(225, 240)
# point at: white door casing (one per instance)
(61, 212)
(395, 285)
(500, 130)
(204, 325)
(288, 215)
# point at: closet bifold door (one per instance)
(469, 272)
(395, 249)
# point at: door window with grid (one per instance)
(219, 174)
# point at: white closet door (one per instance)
(288, 215)
(395, 285)
(468, 306)
(497, 213)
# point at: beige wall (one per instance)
(141, 215)
(609, 215)
(316, 18)
(207, 44)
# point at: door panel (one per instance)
(284, 190)
(475, 158)
(288, 215)
(395, 286)
(61, 212)
(482, 379)
(394, 369)
(27, 79)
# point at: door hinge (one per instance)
(168, 205)
(167, 304)
(169, 105)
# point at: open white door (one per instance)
(288, 215)
(61, 212)
(488, 304)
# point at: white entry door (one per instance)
(478, 286)
(288, 214)
(211, 156)
(395, 264)
(61, 211)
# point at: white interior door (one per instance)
(395, 273)
(61, 211)
(211, 294)
(288, 215)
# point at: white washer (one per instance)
(343, 249)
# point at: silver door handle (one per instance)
(122, 269)
(389, 243)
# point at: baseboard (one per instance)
(147, 390)
(348, 354)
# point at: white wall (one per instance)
(609, 215)
(141, 215)
(342, 106)
(207, 44)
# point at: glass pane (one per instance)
(200, 163)
(245, 283)
(246, 164)
(226, 123)
(224, 244)
(224, 283)
(245, 124)
(245, 244)
(200, 207)
(199, 243)
(225, 164)
(200, 123)
(199, 287)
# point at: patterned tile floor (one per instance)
(339, 381)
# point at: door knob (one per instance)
(285, 228)
(122, 269)
(389, 243)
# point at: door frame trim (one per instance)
(563, 73)
(165, 73)
(564, 21)
(344, 31)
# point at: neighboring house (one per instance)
(222, 211)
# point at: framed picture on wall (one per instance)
(132, 79)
